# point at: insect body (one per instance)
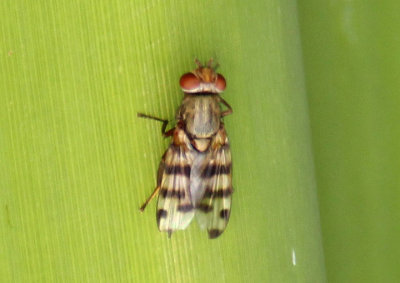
(195, 173)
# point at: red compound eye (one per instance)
(220, 82)
(189, 82)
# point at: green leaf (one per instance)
(76, 162)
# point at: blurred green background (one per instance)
(76, 163)
(352, 66)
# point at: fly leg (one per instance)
(150, 198)
(161, 167)
(228, 111)
(163, 127)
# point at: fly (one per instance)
(195, 172)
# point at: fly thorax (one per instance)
(202, 115)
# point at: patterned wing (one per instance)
(214, 208)
(174, 208)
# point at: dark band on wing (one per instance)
(204, 207)
(171, 193)
(213, 169)
(221, 193)
(185, 207)
(161, 213)
(178, 170)
(214, 233)
(224, 214)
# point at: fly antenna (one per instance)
(198, 63)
